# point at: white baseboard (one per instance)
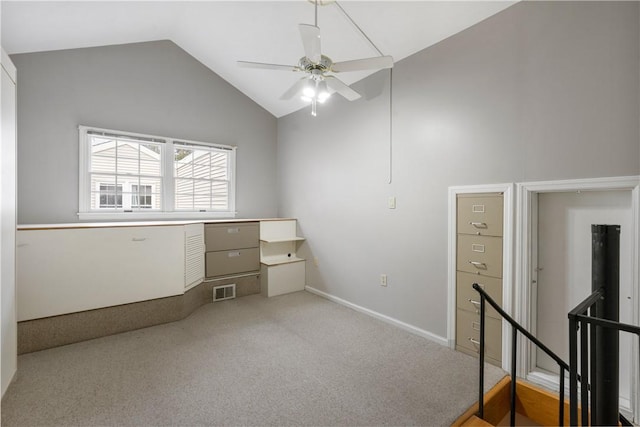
(395, 322)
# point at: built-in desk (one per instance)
(85, 280)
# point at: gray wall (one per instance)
(155, 88)
(540, 91)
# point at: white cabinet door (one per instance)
(8, 220)
(68, 270)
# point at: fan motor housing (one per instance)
(324, 64)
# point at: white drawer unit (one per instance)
(278, 279)
(281, 270)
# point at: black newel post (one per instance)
(605, 273)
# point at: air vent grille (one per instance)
(224, 292)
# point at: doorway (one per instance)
(557, 251)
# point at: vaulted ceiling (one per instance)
(219, 33)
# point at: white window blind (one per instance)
(202, 178)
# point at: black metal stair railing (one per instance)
(596, 319)
(516, 327)
(585, 320)
(578, 320)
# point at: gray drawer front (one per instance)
(480, 255)
(480, 215)
(222, 263)
(220, 237)
(468, 334)
(468, 298)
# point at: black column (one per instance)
(605, 274)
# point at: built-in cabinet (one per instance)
(66, 269)
(479, 258)
(70, 270)
(232, 248)
(78, 281)
(8, 220)
(282, 271)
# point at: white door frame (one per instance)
(507, 260)
(526, 201)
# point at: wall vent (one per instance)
(224, 292)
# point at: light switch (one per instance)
(392, 202)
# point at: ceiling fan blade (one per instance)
(340, 87)
(311, 41)
(374, 63)
(264, 66)
(295, 89)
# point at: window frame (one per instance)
(167, 206)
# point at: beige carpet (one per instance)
(296, 359)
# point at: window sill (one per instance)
(153, 215)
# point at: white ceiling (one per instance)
(219, 33)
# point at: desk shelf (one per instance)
(283, 239)
(282, 271)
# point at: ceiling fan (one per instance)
(319, 82)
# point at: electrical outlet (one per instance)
(383, 280)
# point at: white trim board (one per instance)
(507, 261)
(526, 196)
(395, 322)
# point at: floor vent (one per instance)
(224, 292)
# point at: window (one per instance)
(109, 195)
(141, 196)
(201, 178)
(133, 175)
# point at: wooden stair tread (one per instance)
(533, 402)
(495, 400)
(475, 422)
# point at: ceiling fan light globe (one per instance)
(323, 96)
(323, 91)
(309, 92)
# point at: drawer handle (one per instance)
(138, 239)
(479, 224)
(233, 230)
(233, 254)
(478, 264)
(476, 342)
(476, 304)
